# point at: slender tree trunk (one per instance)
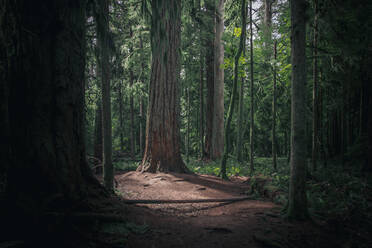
(297, 202)
(209, 65)
(234, 91)
(251, 134)
(141, 112)
(273, 138)
(162, 152)
(315, 145)
(201, 106)
(132, 128)
(103, 43)
(188, 125)
(121, 121)
(131, 104)
(241, 105)
(201, 82)
(98, 132)
(42, 89)
(218, 106)
(240, 123)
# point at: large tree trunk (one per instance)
(103, 44)
(297, 203)
(162, 152)
(218, 99)
(209, 66)
(43, 57)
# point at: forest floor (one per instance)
(247, 223)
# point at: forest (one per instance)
(198, 123)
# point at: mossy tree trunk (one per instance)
(297, 202)
(234, 91)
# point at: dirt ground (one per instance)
(248, 223)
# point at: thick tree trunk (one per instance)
(43, 57)
(251, 130)
(209, 66)
(103, 44)
(297, 202)
(218, 99)
(162, 152)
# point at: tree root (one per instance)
(187, 201)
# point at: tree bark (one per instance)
(234, 91)
(315, 144)
(201, 105)
(251, 130)
(43, 57)
(98, 132)
(241, 130)
(218, 99)
(209, 66)
(103, 43)
(297, 202)
(188, 125)
(162, 152)
(121, 121)
(131, 104)
(141, 112)
(273, 135)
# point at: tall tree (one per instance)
(98, 132)
(42, 111)
(315, 144)
(131, 102)
(218, 99)
(162, 152)
(297, 202)
(102, 22)
(273, 134)
(251, 134)
(210, 29)
(234, 91)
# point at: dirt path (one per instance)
(249, 223)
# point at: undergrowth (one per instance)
(331, 191)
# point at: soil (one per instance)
(248, 223)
